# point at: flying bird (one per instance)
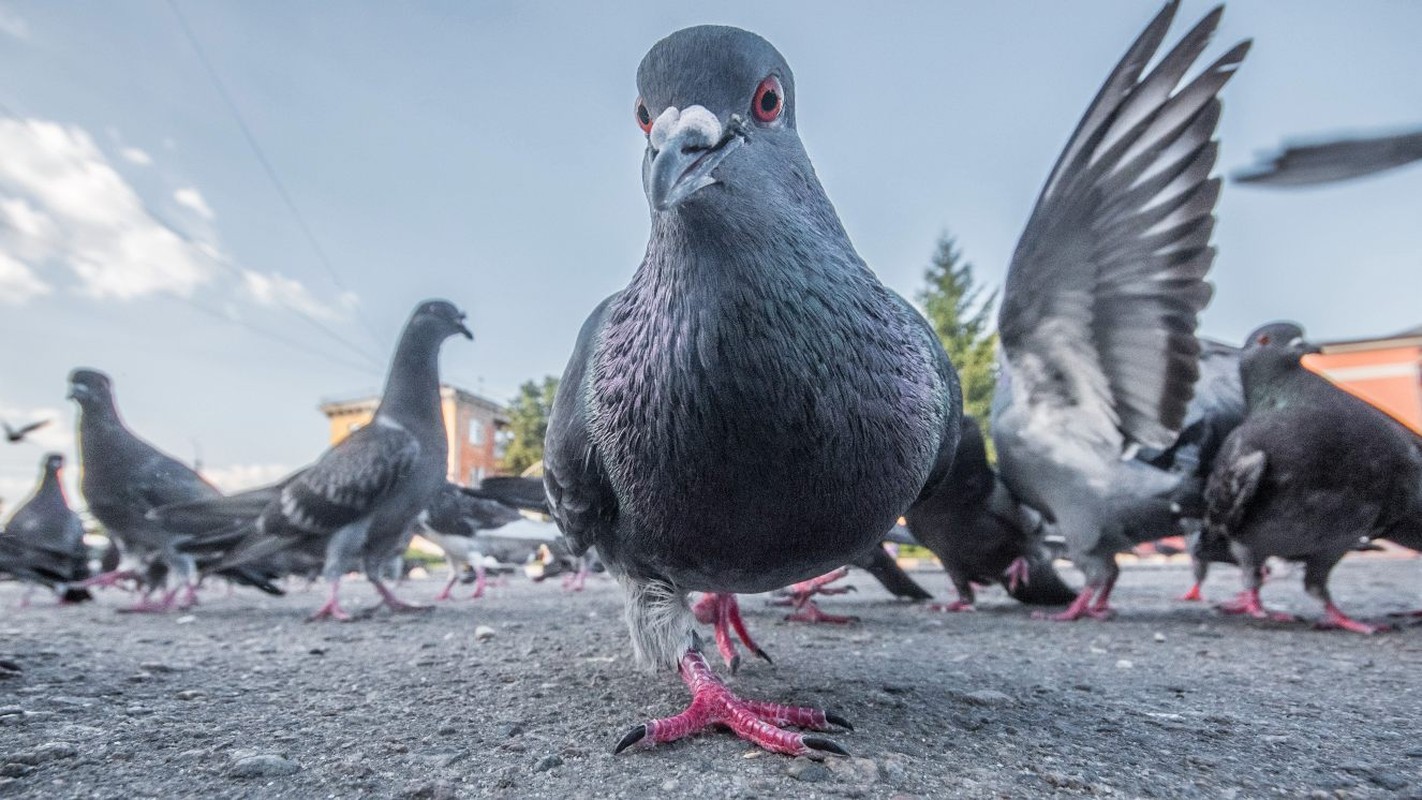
(16, 435)
(755, 408)
(43, 541)
(1310, 473)
(357, 503)
(1323, 161)
(1097, 324)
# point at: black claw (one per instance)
(850, 588)
(763, 655)
(835, 719)
(633, 736)
(825, 745)
(735, 663)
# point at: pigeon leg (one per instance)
(1101, 609)
(802, 598)
(713, 703)
(1247, 603)
(576, 581)
(146, 605)
(396, 604)
(479, 582)
(332, 608)
(1335, 619)
(1192, 595)
(190, 597)
(1019, 572)
(807, 611)
(444, 593)
(109, 579)
(724, 612)
(966, 596)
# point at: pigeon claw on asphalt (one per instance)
(1247, 603)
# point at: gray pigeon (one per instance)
(1098, 318)
(1329, 161)
(1310, 473)
(755, 408)
(123, 478)
(982, 535)
(358, 502)
(43, 542)
(453, 521)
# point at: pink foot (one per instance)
(807, 611)
(1335, 619)
(444, 593)
(801, 596)
(396, 604)
(1192, 595)
(1017, 573)
(722, 611)
(332, 607)
(1247, 603)
(190, 598)
(1079, 608)
(577, 581)
(957, 605)
(108, 579)
(147, 606)
(712, 703)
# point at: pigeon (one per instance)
(357, 504)
(122, 478)
(17, 435)
(755, 408)
(982, 535)
(1329, 161)
(1098, 317)
(43, 541)
(1310, 473)
(453, 521)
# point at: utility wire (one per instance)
(266, 163)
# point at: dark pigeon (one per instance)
(755, 408)
(1310, 473)
(43, 541)
(1097, 325)
(17, 435)
(982, 535)
(123, 478)
(1313, 163)
(453, 521)
(356, 505)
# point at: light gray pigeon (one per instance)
(1098, 317)
(755, 408)
(453, 521)
(123, 478)
(1310, 473)
(358, 502)
(43, 541)
(1312, 163)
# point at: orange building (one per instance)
(474, 424)
(1386, 372)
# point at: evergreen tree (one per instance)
(962, 316)
(528, 424)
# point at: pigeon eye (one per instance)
(769, 100)
(1264, 339)
(644, 117)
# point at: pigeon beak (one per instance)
(683, 149)
(464, 329)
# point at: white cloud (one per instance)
(134, 155)
(274, 290)
(236, 477)
(89, 219)
(12, 24)
(192, 199)
(18, 283)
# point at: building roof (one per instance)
(1412, 337)
(367, 403)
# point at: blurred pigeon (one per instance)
(452, 521)
(43, 541)
(358, 502)
(122, 478)
(1310, 472)
(1311, 163)
(755, 408)
(16, 435)
(982, 535)
(1098, 316)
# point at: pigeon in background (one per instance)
(43, 541)
(1310, 472)
(122, 478)
(982, 535)
(452, 522)
(1312, 163)
(358, 502)
(1099, 311)
(17, 435)
(755, 407)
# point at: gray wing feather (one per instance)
(1313, 163)
(1107, 281)
(345, 484)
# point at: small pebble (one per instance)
(483, 633)
(546, 763)
(1125, 663)
(264, 765)
(803, 769)
(1159, 637)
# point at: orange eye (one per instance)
(769, 100)
(644, 117)
(1264, 339)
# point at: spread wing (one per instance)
(580, 496)
(1105, 287)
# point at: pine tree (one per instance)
(962, 317)
(528, 423)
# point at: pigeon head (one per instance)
(1271, 353)
(91, 389)
(52, 464)
(440, 318)
(718, 107)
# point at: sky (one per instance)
(487, 153)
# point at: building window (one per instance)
(476, 434)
